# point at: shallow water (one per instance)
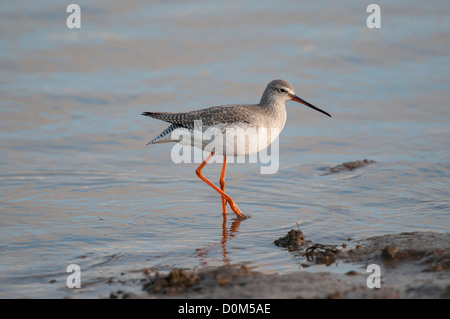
(79, 185)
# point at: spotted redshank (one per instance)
(269, 114)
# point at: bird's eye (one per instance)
(282, 90)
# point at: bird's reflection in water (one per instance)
(226, 235)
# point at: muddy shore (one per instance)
(412, 265)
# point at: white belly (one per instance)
(234, 140)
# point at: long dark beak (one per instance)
(299, 100)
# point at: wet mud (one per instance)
(293, 240)
(347, 166)
(413, 265)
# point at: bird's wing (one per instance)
(211, 116)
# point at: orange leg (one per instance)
(230, 201)
(222, 184)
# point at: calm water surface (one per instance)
(79, 185)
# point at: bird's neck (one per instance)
(276, 111)
(274, 106)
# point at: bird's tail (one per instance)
(164, 136)
(155, 115)
(174, 118)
